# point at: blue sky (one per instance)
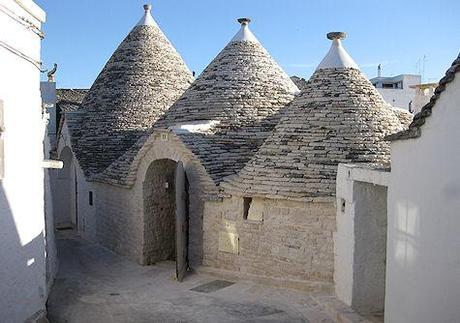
(81, 35)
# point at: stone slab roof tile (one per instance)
(68, 100)
(141, 80)
(339, 117)
(243, 90)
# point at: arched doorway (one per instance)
(159, 195)
(65, 192)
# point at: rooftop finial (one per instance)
(336, 35)
(337, 57)
(51, 74)
(244, 34)
(244, 21)
(147, 19)
(147, 8)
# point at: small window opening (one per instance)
(246, 205)
(90, 198)
(342, 205)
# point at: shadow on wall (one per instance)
(407, 229)
(22, 268)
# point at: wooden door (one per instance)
(181, 222)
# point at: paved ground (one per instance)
(95, 285)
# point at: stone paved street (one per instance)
(95, 285)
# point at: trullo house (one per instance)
(249, 158)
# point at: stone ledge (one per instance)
(304, 286)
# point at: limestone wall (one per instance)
(71, 194)
(119, 220)
(281, 239)
(122, 223)
(168, 146)
(86, 213)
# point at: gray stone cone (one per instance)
(338, 118)
(142, 79)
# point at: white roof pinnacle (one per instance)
(337, 57)
(244, 34)
(147, 19)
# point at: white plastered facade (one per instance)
(23, 272)
(423, 267)
(360, 239)
(71, 194)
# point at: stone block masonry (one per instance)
(127, 218)
(115, 229)
(292, 240)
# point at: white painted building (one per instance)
(423, 252)
(397, 90)
(360, 239)
(409, 217)
(26, 247)
(404, 91)
(423, 94)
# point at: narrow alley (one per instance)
(95, 285)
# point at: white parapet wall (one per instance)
(23, 289)
(360, 239)
(423, 262)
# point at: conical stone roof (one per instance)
(141, 80)
(242, 85)
(338, 118)
(237, 100)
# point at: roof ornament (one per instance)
(147, 19)
(244, 20)
(244, 34)
(51, 74)
(337, 57)
(333, 35)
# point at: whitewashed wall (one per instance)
(50, 247)
(71, 193)
(399, 98)
(423, 260)
(360, 240)
(22, 221)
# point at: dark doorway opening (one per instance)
(161, 230)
